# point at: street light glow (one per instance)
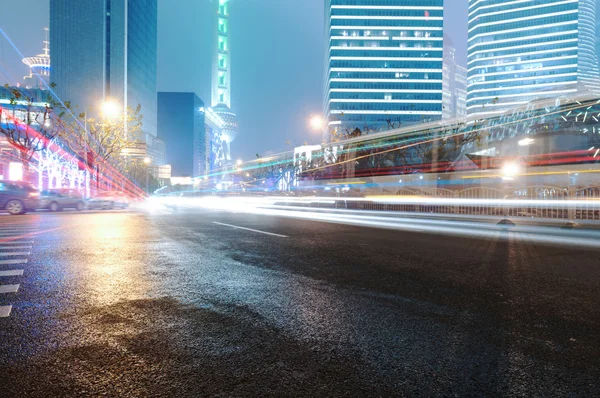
(147, 160)
(510, 170)
(110, 109)
(526, 141)
(239, 162)
(317, 123)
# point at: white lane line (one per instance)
(17, 242)
(7, 254)
(12, 272)
(9, 288)
(250, 229)
(13, 261)
(15, 247)
(5, 310)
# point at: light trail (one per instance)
(268, 207)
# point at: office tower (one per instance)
(383, 63)
(105, 50)
(520, 51)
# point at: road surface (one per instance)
(195, 302)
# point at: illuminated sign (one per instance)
(15, 171)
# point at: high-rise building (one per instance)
(454, 85)
(520, 51)
(181, 126)
(383, 63)
(221, 85)
(106, 51)
(598, 32)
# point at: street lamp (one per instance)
(110, 109)
(147, 162)
(317, 123)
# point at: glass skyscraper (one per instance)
(106, 50)
(520, 51)
(383, 63)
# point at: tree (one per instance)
(28, 128)
(104, 140)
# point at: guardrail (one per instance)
(548, 202)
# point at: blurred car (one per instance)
(58, 199)
(17, 197)
(108, 200)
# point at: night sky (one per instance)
(277, 59)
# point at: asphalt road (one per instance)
(193, 303)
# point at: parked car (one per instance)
(17, 197)
(58, 199)
(108, 200)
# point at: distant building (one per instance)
(39, 66)
(181, 126)
(454, 84)
(520, 51)
(106, 50)
(383, 63)
(215, 155)
(221, 85)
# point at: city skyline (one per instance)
(285, 104)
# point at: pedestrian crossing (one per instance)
(16, 241)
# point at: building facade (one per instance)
(181, 126)
(221, 84)
(105, 50)
(383, 63)
(520, 51)
(454, 84)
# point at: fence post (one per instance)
(505, 222)
(571, 210)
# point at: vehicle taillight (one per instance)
(34, 194)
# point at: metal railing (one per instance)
(542, 202)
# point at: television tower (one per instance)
(39, 66)
(221, 85)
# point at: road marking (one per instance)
(31, 234)
(9, 288)
(13, 261)
(17, 242)
(5, 310)
(250, 229)
(16, 247)
(7, 254)
(12, 272)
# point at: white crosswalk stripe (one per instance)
(9, 288)
(5, 311)
(16, 240)
(13, 261)
(8, 254)
(12, 272)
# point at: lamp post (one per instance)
(110, 111)
(147, 162)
